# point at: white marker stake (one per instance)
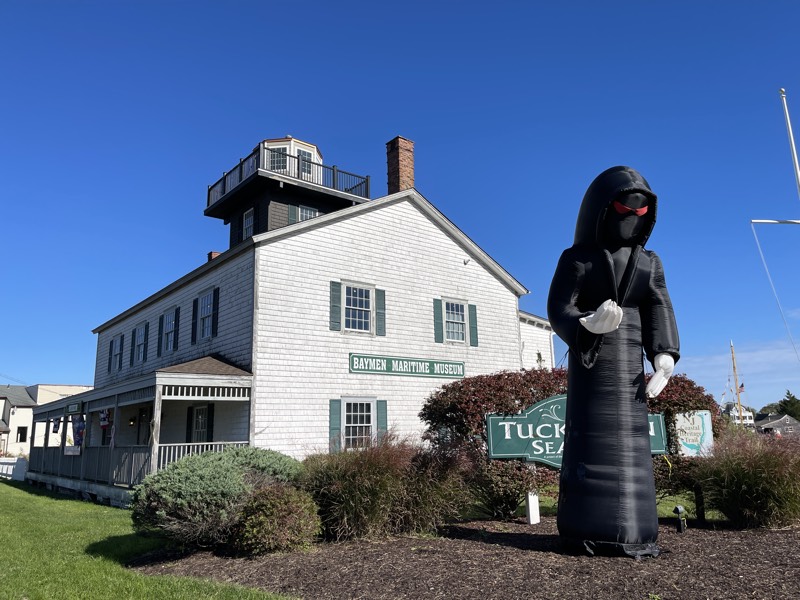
(533, 508)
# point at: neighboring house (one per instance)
(16, 413)
(536, 344)
(737, 416)
(330, 319)
(777, 425)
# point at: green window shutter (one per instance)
(122, 351)
(292, 214)
(381, 409)
(473, 325)
(175, 330)
(133, 344)
(335, 428)
(380, 312)
(146, 340)
(110, 354)
(336, 306)
(438, 326)
(195, 315)
(160, 334)
(215, 313)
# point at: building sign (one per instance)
(695, 437)
(398, 365)
(537, 434)
(74, 408)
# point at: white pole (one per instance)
(782, 92)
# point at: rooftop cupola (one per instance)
(282, 181)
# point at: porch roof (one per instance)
(206, 371)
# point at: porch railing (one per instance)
(169, 453)
(297, 167)
(123, 465)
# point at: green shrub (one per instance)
(501, 486)
(753, 479)
(197, 499)
(276, 518)
(386, 488)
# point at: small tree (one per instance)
(790, 405)
(456, 418)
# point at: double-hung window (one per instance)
(357, 308)
(168, 330)
(356, 422)
(139, 344)
(247, 223)
(205, 310)
(115, 348)
(455, 321)
(306, 212)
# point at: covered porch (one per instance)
(111, 438)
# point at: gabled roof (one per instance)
(413, 197)
(17, 395)
(773, 419)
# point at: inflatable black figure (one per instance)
(608, 301)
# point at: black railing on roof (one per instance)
(296, 167)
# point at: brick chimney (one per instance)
(400, 164)
(212, 255)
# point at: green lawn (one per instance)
(53, 547)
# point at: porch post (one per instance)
(33, 437)
(113, 441)
(155, 430)
(87, 438)
(62, 445)
(46, 444)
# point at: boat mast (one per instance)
(782, 93)
(736, 384)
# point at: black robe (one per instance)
(607, 493)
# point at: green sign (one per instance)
(537, 434)
(398, 365)
(74, 408)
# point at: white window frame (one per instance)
(352, 437)
(463, 323)
(370, 320)
(205, 317)
(248, 223)
(168, 335)
(276, 162)
(116, 363)
(306, 212)
(139, 344)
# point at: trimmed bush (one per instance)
(501, 486)
(753, 479)
(387, 488)
(197, 499)
(276, 518)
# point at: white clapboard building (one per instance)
(330, 318)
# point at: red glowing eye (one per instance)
(624, 210)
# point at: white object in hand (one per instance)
(605, 320)
(664, 365)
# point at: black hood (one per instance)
(607, 187)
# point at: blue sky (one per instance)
(116, 116)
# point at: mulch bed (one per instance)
(483, 560)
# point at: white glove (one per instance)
(664, 365)
(605, 320)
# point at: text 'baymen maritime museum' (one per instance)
(331, 317)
